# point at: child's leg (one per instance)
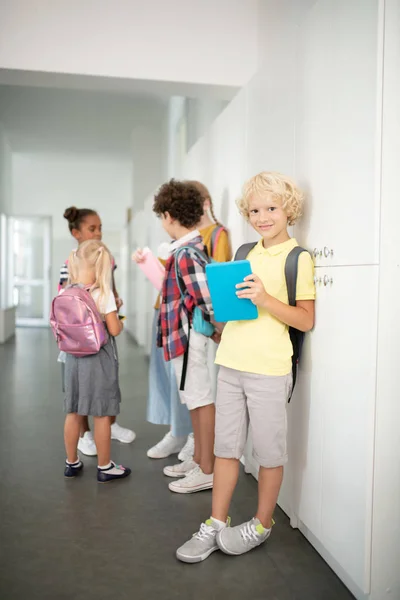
(226, 473)
(203, 423)
(266, 401)
(71, 436)
(84, 425)
(107, 470)
(197, 395)
(198, 398)
(196, 432)
(205, 437)
(180, 418)
(269, 484)
(230, 439)
(102, 437)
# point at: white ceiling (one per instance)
(159, 91)
(75, 121)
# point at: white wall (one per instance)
(148, 157)
(46, 184)
(7, 313)
(386, 521)
(179, 40)
(5, 172)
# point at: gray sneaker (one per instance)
(201, 545)
(243, 538)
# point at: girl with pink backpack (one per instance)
(85, 321)
(85, 224)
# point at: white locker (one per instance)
(338, 129)
(331, 416)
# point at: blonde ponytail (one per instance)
(103, 275)
(93, 256)
(72, 267)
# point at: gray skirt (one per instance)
(92, 383)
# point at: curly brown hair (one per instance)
(181, 200)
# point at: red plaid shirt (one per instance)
(176, 312)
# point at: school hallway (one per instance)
(78, 540)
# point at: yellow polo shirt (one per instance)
(263, 345)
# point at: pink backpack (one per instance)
(76, 322)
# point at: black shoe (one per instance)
(73, 470)
(103, 475)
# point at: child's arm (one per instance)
(114, 324)
(300, 316)
(109, 309)
(118, 300)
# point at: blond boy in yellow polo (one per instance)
(255, 377)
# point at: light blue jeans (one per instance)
(163, 405)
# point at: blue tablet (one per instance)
(222, 280)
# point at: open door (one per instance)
(31, 251)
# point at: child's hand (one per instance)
(219, 327)
(138, 256)
(253, 289)
(216, 337)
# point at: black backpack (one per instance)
(291, 268)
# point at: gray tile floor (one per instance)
(77, 540)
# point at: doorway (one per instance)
(31, 269)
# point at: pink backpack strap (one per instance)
(216, 234)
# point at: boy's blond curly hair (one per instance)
(280, 187)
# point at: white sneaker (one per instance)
(122, 434)
(86, 444)
(187, 451)
(167, 446)
(181, 469)
(194, 481)
(243, 538)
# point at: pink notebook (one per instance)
(152, 268)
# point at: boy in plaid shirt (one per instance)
(180, 207)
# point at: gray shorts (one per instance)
(198, 389)
(260, 399)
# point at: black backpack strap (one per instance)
(291, 270)
(181, 285)
(243, 251)
(296, 336)
(185, 364)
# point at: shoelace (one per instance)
(204, 532)
(191, 474)
(181, 466)
(249, 533)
